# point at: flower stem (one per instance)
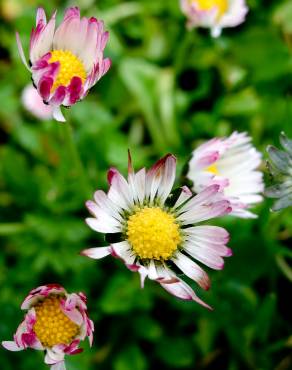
(77, 164)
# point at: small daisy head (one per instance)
(214, 14)
(280, 168)
(55, 322)
(230, 163)
(156, 230)
(34, 104)
(67, 61)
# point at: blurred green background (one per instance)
(167, 91)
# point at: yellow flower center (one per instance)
(213, 169)
(153, 233)
(52, 326)
(70, 66)
(221, 5)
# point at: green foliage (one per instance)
(167, 91)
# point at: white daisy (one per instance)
(231, 163)
(157, 231)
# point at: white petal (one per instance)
(59, 366)
(53, 356)
(192, 270)
(57, 114)
(103, 214)
(44, 42)
(205, 255)
(102, 225)
(105, 203)
(21, 52)
(204, 196)
(96, 253)
(184, 196)
(124, 251)
(167, 178)
(182, 290)
(120, 192)
(205, 212)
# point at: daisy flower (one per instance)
(33, 103)
(155, 232)
(214, 14)
(280, 167)
(65, 62)
(55, 322)
(231, 163)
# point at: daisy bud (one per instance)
(55, 322)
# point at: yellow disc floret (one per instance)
(221, 5)
(70, 66)
(153, 233)
(52, 326)
(213, 169)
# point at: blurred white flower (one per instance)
(214, 14)
(33, 102)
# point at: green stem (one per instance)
(167, 113)
(76, 160)
(284, 267)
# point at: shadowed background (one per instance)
(167, 91)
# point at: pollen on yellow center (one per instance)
(153, 233)
(70, 66)
(221, 5)
(52, 326)
(213, 169)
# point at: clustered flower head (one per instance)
(157, 231)
(232, 164)
(55, 322)
(214, 14)
(280, 168)
(66, 62)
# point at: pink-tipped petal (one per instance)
(21, 52)
(11, 346)
(96, 253)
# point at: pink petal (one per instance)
(11, 346)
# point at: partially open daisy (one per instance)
(154, 231)
(214, 14)
(231, 163)
(65, 63)
(280, 168)
(55, 322)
